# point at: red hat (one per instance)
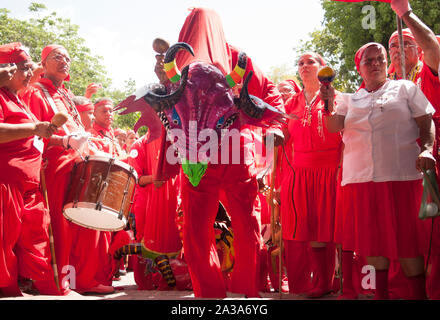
(85, 107)
(405, 32)
(13, 53)
(360, 52)
(103, 102)
(48, 49)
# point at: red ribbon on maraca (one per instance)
(326, 75)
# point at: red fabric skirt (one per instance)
(311, 205)
(381, 219)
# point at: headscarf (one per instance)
(103, 102)
(405, 32)
(85, 107)
(48, 49)
(13, 53)
(361, 51)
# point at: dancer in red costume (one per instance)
(24, 219)
(203, 31)
(316, 156)
(381, 183)
(45, 98)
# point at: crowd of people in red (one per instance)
(344, 192)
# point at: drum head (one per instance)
(87, 216)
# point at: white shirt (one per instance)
(380, 133)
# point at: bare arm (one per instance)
(333, 122)
(145, 180)
(425, 38)
(427, 132)
(11, 132)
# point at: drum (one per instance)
(100, 193)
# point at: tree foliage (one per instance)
(282, 72)
(44, 29)
(343, 33)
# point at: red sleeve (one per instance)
(34, 99)
(261, 86)
(137, 158)
(2, 115)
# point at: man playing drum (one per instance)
(45, 98)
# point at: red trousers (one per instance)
(200, 205)
(89, 256)
(24, 240)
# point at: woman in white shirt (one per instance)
(382, 166)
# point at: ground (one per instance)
(126, 289)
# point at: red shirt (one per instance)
(40, 106)
(107, 142)
(20, 161)
(312, 144)
(59, 158)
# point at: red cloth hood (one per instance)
(203, 30)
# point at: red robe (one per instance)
(24, 219)
(155, 208)
(59, 166)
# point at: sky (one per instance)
(122, 31)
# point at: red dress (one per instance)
(316, 157)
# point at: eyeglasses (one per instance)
(396, 46)
(61, 58)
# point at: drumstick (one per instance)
(59, 119)
(51, 238)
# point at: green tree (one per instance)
(36, 33)
(45, 29)
(282, 72)
(343, 33)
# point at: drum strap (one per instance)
(52, 104)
